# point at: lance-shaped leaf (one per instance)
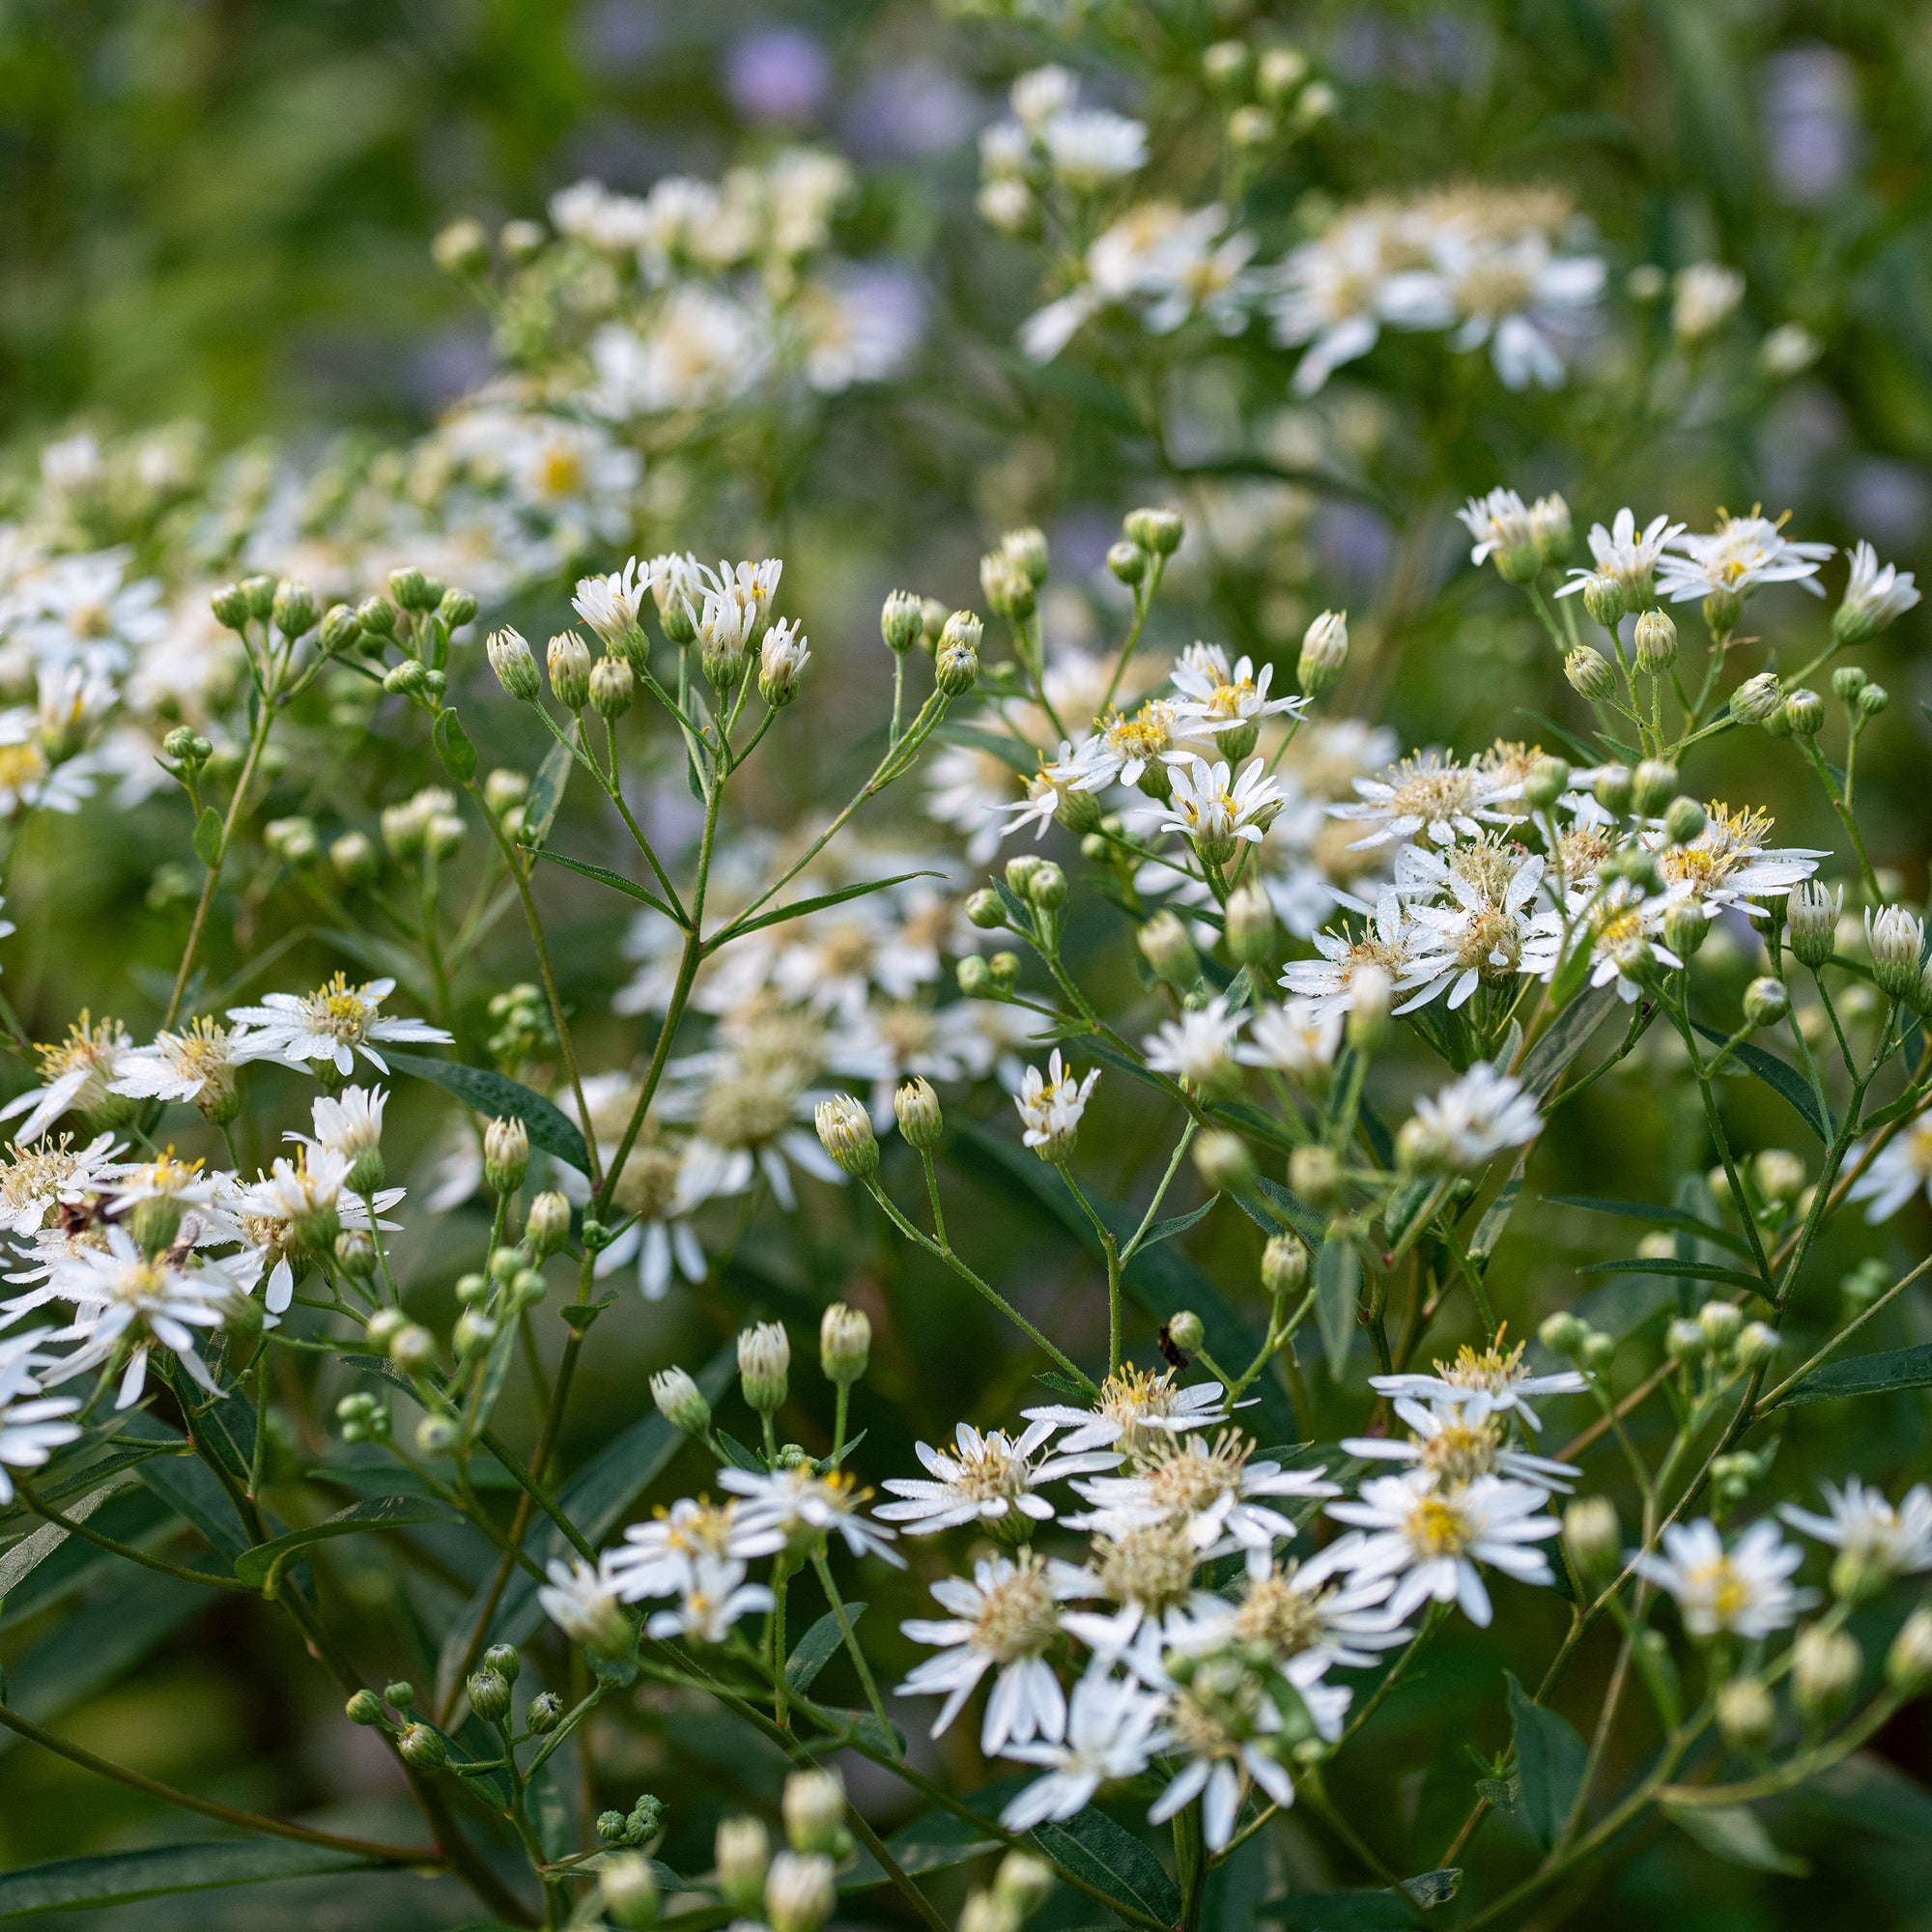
(1110, 1858)
(1780, 1076)
(490, 1094)
(605, 876)
(817, 1647)
(1550, 1760)
(1657, 1216)
(1735, 1833)
(261, 1567)
(1865, 1375)
(1338, 1288)
(121, 1878)
(801, 908)
(545, 796)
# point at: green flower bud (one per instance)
(1548, 781)
(489, 1695)
(1159, 532)
(1805, 713)
(364, 1708)
(845, 1130)
(1613, 789)
(628, 1889)
(413, 590)
(229, 605)
(917, 1107)
(544, 1714)
(1747, 1714)
(1223, 1162)
(613, 686)
(844, 1345)
(422, 1747)
(1656, 642)
(1593, 1537)
(457, 608)
(1684, 821)
(764, 1365)
(569, 657)
(1757, 699)
(1284, 1265)
(1186, 1331)
(1589, 673)
(293, 608)
(1654, 782)
(1168, 949)
(681, 1401)
(1766, 1002)
(1873, 700)
(987, 909)
(1325, 652)
(902, 620)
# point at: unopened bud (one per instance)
(364, 1708)
(613, 686)
(956, 659)
(680, 1402)
(507, 1155)
(1604, 600)
(570, 670)
(1159, 532)
(1897, 940)
(813, 1807)
(917, 1108)
(1186, 1331)
(1371, 994)
(845, 1131)
(1766, 1002)
(412, 1348)
(1315, 1174)
(293, 610)
(1548, 781)
(1563, 1334)
(1907, 1663)
(1825, 1670)
(798, 1891)
(1756, 1344)
(1652, 783)
(1756, 698)
(1047, 887)
(986, 909)
(489, 1695)
(744, 1854)
(1684, 1341)
(1747, 1714)
(1223, 1162)
(1685, 927)
(764, 1366)
(1613, 789)
(845, 1352)
(1250, 924)
(1779, 1175)
(1873, 700)
(901, 619)
(422, 1747)
(544, 1714)
(1682, 820)
(1656, 642)
(1589, 673)
(627, 1891)
(1284, 1265)
(1324, 651)
(1168, 949)
(1593, 1536)
(1811, 921)
(547, 1225)
(1805, 713)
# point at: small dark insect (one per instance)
(77, 1216)
(1169, 1353)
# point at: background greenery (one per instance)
(221, 211)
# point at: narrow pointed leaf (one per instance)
(1865, 1375)
(1338, 1288)
(1655, 1214)
(121, 1878)
(257, 1567)
(1550, 1760)
(546, 795)
(1569, 1033)
(605, 876)
(1108, 1855)
(1685, 1270)
(800, 908)
(1735, 1833)
(1175, 1224)
(490, 1094)
(817, 1647)
(1780, 1076)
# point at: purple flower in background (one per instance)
(1810, 124)
(778, 73)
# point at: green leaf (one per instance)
(800, 908)
(1017, 757)
(1550, 1761)
(1496, 1215)
(1391, 1911)
(492, 1094)
(1338, 1288)
(1685, 1270)
(121, 1878)
(453, 747)
(1063, 1386)
(1301, 1218)
(1433, 1888)
(816, 1648)
(577, 1315)
(616, 881)
(1175, 1224)
(1736, 1835)
(1655, 1214)
(190, 1487)
(933, 1843)
(90, 1646)
(1780, 1076)
(1865, 1791)
(546, 795)
(261, 1567)
(1108, 1855)
(1865, 1375)
(495, 1373)
(208, 836)
(1569, 1033)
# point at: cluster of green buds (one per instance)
(1718, 1344)
(641, 1825)
(422, 1745)
(1566, 1334)
(364, 1417)
(1011, 574)
(489, 1687)
(521, 1026)
(1149, 537)
(1266, 95)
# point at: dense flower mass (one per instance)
(709, 1180)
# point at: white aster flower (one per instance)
(1326, 986)
(1481, 933)
(1004, 1620)
(611, 606)
(1881, 1539)
(1197, 1047)
(332, 1024)
(1215, 810)
(1049, 789)
(1451, 1446)
(985, 1479)
(714, 1598)
(1052, 1103)
(1431, 797)
(1499, 523)
(1465, 1124)
(1728, 862)
(1135, 1410)
(1212, 699)
(657, 1559)
(31, 1426)
(1622, 553)
(1215, 1494)
(1745, 1591)
(76, 1075)
(1297, 1037)
(1222, 1722)
(1495, 1381)
(792, 1508)
(122, 1298)
(580, 1603)
(36, 1180)
(1089, 147)
(1621, 927)
(198, 1065)
(1431, 1540)
(1110, 1733)
(1311, 1615)
(1898, 1171)
(1873, 597)
(1736, 558)
(349, 1124)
